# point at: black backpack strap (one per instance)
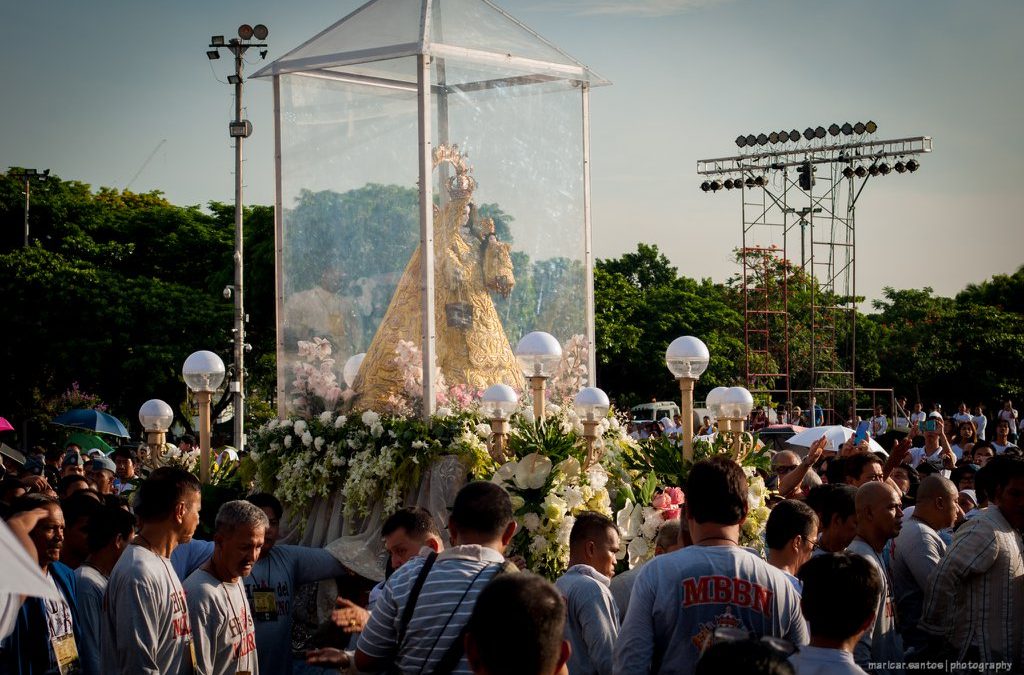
(414, 594)
(453, 655)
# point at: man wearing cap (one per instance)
(102, 471)
(72, 464)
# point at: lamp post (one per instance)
(203, 372)
(591, 406)
(155, 417)
(239, 129)
(714, 403)
(687, 358)
(499, 402)
(736, 404)
(538, 354)
(27, 176)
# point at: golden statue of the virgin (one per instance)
(469, 263)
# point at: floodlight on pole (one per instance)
(239, 129)
(27, 176)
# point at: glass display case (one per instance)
(427, 125)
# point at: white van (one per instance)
(652, 412)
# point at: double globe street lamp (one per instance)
(731, 406)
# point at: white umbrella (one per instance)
(836, 435)
(21, 574)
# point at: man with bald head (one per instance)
(917, 552)
(879, 518)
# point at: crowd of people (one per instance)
(871, 564)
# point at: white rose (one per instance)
(377, 430)
(370, 418)
(573, 497)
(443, 412)
(652, 521)
(318, 442)
(553, 409)
(539, 544)
(288, 441)
(286, 423)
(483, 430)
(597, 476)
(554, 507)
(527, 414)
(531, 521)
(300, 427)
(273, 424)
(307, 439)
(532, 471)
(325, 417)
(340, 422)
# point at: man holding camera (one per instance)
(936, 450)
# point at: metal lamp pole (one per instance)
(239, 129)
(27, 176)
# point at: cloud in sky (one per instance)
(635, 8)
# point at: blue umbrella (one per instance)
(92, 420)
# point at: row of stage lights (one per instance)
(809, 134)
(881, 169)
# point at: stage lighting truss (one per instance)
(810, 134)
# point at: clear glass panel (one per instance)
(476, 24)
(378, 24)
(524, 142)
(350, 223)
(509, 231)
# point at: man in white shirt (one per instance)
(980, 420)
(592, 622)
(917, 419)
(962, 414)
(225, 636)
(1002, 441)
(879, 423)
(1009, 415)
(836, 580)
(936, 450)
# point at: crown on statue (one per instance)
(462, 184)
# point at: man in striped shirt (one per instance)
(480, 527)
(976, 596)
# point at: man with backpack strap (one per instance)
(418, 624)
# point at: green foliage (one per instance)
(641, 305)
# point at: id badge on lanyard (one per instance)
(264, 605)
(65, 651)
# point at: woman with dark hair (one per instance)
(966, 437)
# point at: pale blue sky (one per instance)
(91, 88)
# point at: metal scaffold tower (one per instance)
(799, 198)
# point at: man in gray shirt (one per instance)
(593, 620)
(225, 637)
(111, 530)
(145, 628)
(917, 552)
(879, 518)
(680, 598)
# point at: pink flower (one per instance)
(661, 501)
(670, 514)
(675, 495)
